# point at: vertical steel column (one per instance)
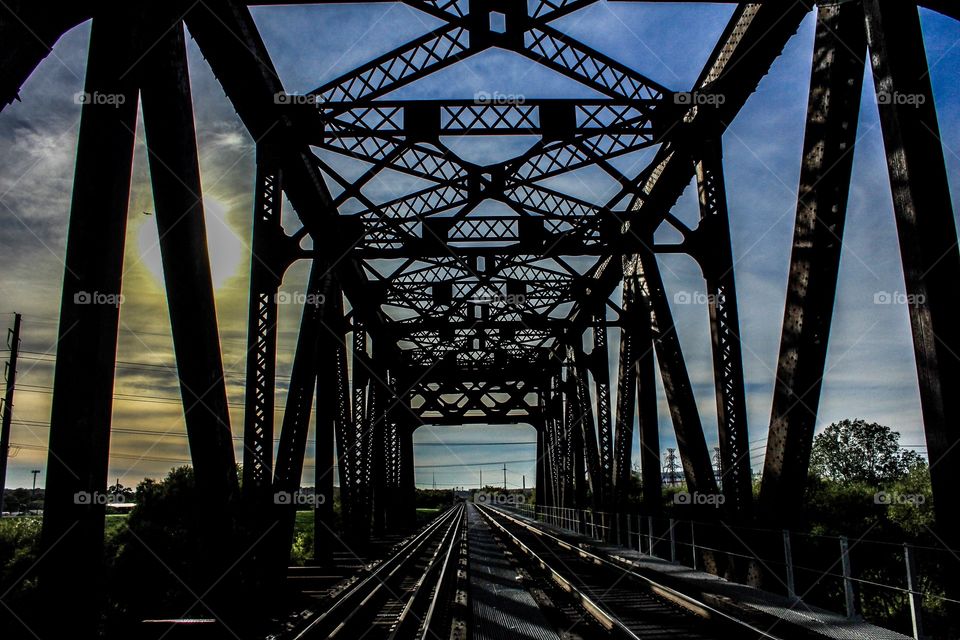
(408, 483)
(540, 482)
(584, 425)
(626, 397)
(175, 174)
(646, 380)
(377, 435)
(266, 273)
(73, 523)
(697, 466)
(360, 489)
(314, 342)
(715, 255)
(343, 422)
(832, 115)
(928, 239)
(600, 366)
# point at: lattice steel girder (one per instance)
(697, 463)
(831, 133)
(266, 273)
(714, 252)
(752, 41)
(507, 399)
(928, 238)
(600, 369)
(315, 344)
(584, 425)
(626, 395)
(72, 535)
(639, 334)
(228, 38)
(484, 115)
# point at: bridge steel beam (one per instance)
(714, 252)
(584, 425)
(175, 175)
(600, 368)
(691, 443)
(73, 528)
(831, 131)
(643, 356)
(626, 398)
(308, 375)
(928, 238)
(266, 274)
(29, 29)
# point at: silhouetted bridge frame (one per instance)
(493, 317)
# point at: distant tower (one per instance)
(672, 467)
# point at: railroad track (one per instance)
(628, 605)
(404, 597)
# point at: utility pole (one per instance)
(504, 476)
(524, 482)
(434, 480)
(33, 493)
(481, 478)
(13, 341)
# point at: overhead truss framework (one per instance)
(484, 292)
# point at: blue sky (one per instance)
(870, 363)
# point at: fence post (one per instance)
(693, 544)
(847, 578)
(650, 534)
(673, 543)
(788, 562)
(916, 600)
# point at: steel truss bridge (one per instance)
(426, 309)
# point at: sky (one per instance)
(870, 367)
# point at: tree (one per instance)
(861, 451)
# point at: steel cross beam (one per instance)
(714, 252)
(928, 237)
(831, 132)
